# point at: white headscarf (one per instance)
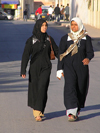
(75, 36)
(80, 26)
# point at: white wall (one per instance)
(79, 8)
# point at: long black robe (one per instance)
(39, 71)
(76, 74)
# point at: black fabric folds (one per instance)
(37, 30)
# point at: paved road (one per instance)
(15, 116)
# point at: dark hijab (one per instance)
(37, 30)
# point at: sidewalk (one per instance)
(92, 31)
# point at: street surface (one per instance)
(15, 115)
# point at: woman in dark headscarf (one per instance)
(75, 53)
(38, 49)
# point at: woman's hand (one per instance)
(59, 74)
(86, 61)
(23, 76)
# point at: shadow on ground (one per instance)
(87, 108)
(91, 115)
(96, 44)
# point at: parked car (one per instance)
(32, 16)
(45, 14)
(5, 16)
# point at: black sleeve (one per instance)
(89, 48)
(62, 48)
(54, 46)
(26, 55)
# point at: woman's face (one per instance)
(74, 26)
(44, 27)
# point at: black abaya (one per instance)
(38, 47)
(76, 74)
(39, 71)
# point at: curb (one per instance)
(65, 25)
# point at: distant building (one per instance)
(26, 4)
(17, 7)
(87, 10)
(10, 6)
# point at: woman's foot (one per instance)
(72, 118)
(37, 115)
(38, 118)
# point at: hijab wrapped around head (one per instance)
(80, 27)
(37, 30)
(75, 36)
(79, 23)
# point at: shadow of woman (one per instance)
(63, 113)
(92, 107)
(89, 116)
(55, 114)
(87, 108)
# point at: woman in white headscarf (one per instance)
(75, 53)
